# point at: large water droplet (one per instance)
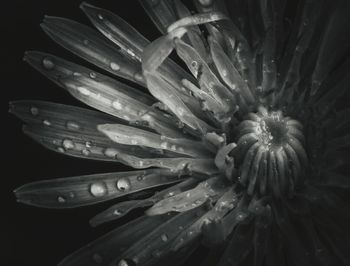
(93, 75)
(123, 184)
(60, 149)
(48, 63)
(111, 152)
(123, 263)
(114, 66)
(88, 144)
(68, 144)
(83, 91)
(98, 189)
(71, 125)
(34, 111)
(100, 16)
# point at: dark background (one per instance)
(33, 236)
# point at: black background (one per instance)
(33, 236)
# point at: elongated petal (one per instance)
(105, 249)
(202, 166)
(162, 13)
(117, 30)
(102, 92)
(91, 189)
(170, 97)
(122, 208)
(224, 204)
(155, 245)
(90, 45)
(190, 199)
(134, 136)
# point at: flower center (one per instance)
(270, 153)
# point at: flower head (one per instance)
(243, 147)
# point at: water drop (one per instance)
(34, 111)
(117, 105)
(83, 91)
(123, 263)
(48, 64)
(117, 212)
(68, 144)
(71, 125)
(123, 184)
(98, 189)
(93, 75)
(71, 195)
(97, 258)
(88, 144)
(164, 237)
(141, 177)
(110, 152)
(61, 199)
(133, 141)
(85, 152)
(138, 76)
(47, 122)
(100, 16)
(194, 64)
(60, 149)
(114, 66)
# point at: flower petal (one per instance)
(103, 93)
(88, 44)
(91, 189)
(105, 249)
(134, 136)
(122, 208)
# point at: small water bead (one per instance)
(61, 199)
(123, 263)
(123, 184)
(100, 16)
(110, 152)
(134, 142)
(84, 91)
(117, 105)
(71, 195)
(74, 126)
(114, 66)
(138, 76)
(68, 144)
(47, 122)
(97, 258)
(117, 212)
(60, 149)
(48, 63)
(93, 75)
(85, 152)
(164, 237)
(98, 189)
(88, 144)
(34, 111)
(141, 177)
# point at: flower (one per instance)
(246, 149)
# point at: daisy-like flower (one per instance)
(242, 149)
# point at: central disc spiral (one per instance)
(271, 153)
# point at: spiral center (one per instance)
(271, 153)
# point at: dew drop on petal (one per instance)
(60, 149)
(93, 75)
(61, 199)
(98, 189)
(110, 152)
(123, 184)
(88, 144)
(123, 263)
(164, 237)
(83, 91)
(48, 63)
(117, 212)
(138, 76)
(34, 111)
(71, 125)
(68, 144)
(85, 152)
(100, 16)
(47, 122)
(133, 141)
(114, 66)
(117, 105)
